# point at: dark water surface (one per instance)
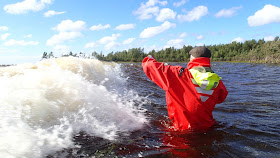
(248, 122)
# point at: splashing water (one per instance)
(43, 105)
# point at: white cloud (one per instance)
(61, 49)
(4, 28)
(69, 25)
(26, 5)
(99, 27)
(13, 42)
(28, 36)
(269, 38)
(108, 39)
(52, 13)
(147, 13)
(152, 47)
(153, 31)
(4, 36)
(184, 34)
(180, 3)
(194, 14)
(7, 50)
(176, 43)
(166, 14)
(148, 10)
(91, 45)
(112, 45)
(47, 1)
(68, 30)
(125, 27)
(199, 37)
(128, 41)
(227, 12)
(200, 44)
(154, 2)
(238, 39)
(62, 36)
(267, 15)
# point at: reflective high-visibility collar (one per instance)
(202, 73)
(205, 77)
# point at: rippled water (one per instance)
(248, 122)
(116, 111)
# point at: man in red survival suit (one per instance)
(192, 92)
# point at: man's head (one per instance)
(200, 51)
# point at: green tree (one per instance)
(45, 55)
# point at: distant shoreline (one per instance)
(128, 62)
(6, 65)
(248, 62)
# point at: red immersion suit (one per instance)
(189, 104)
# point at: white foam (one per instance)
(43, 105)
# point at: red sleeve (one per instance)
(222, 92)
(156, 72)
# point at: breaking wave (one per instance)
(43, 105)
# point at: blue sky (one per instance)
(30, 27)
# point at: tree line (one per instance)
(260, 51)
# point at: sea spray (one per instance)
(43, 105)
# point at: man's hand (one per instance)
(151, 57)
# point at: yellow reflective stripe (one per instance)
(203, 98)
(193, 81)
(215, 85)
(204, 84)
(203, 91)
(207, 80)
